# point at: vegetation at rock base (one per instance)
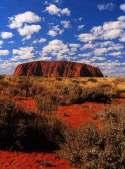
(63, 91)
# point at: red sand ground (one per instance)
(73, 115)
(14, 160)
(78, 114)
(26, 103)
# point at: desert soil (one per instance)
(73, 115)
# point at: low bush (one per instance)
(70, 94)
(22, 130)
(91, 148)
(101, 93)
(80, 146)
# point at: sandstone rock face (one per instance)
(57, 69)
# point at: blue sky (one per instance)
(85, 31)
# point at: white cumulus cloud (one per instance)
(6, 35)
(56, 30)
(23, 53)
(55, 48)
(108, 31)
(80, 27)
(54, 10)
(66, 24)
(100, 51)
(25, 23)
(65, 11)
(41, 40)
(108, 6)
(4, 52)
(1, 42)
(122, 7)
(19, 20)
(85, 37)
(28, 30)
(58, 50)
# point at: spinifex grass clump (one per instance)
(100, 93)
(47, 104)
(23, 130)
